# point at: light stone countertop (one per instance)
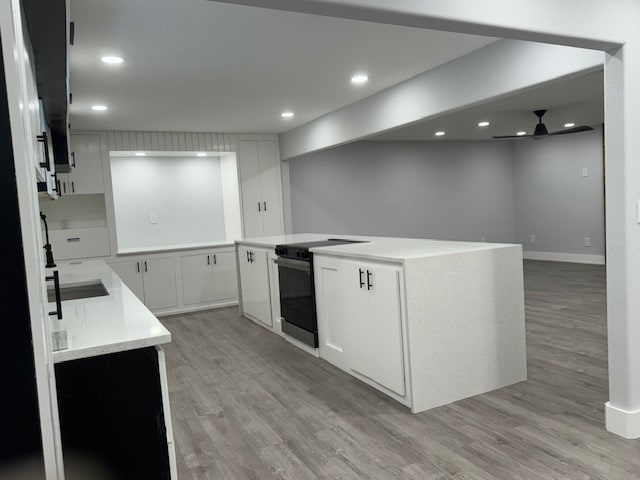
(100, 325)
(172, 248)
(389, 249)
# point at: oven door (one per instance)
(297, 300)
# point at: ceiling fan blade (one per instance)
(583, 128)
(504, 137)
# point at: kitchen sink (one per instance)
(77, 291)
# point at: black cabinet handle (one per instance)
(137, 267)
(251, 257)
(64, 187)
(259, 207)
(265, 206)
(47, 162)
(248, 256)
(208, 260)
(56, 286)
(214, 259)
(73, 159)
(145, 266)
(360, 272)
(369, 284)
(73, 187)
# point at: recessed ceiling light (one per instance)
(520, 134)
(484, 124)
(359, 79)
(440, 134)
(112, 59)
(140, 154)
(569, 125)
(201, 154)
(99, 108)
(287, 114)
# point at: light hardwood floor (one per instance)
(248, 405)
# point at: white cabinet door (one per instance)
(86, 164)
(225, 277)
(160, 283)
(251, 194)
(331, 306)
(262, 297)
(269, 160)
(64, 184)
(131, 274)
(246, 281)
(197, 279)
(374, 330)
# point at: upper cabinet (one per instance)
(261, 188)
(86, 166)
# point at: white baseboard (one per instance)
(196, 308)
(622, 423)
(565, 257)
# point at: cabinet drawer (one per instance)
(80, 243)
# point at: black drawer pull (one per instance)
(56, 286)
(360, 272)
(369, 284)
(73, 239)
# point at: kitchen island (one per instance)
(427, 322)
(110, 377)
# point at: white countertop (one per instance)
(171, 248)
(389, 249)
(100, 325)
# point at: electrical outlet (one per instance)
(587, 242)
(585, 172)
(153, 218)
(532, 239)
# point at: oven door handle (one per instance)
(294, 264)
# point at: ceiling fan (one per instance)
(541, 129)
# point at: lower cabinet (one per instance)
(254, 280)
(153, 281)
(114, 416)
(209, 277)
(360, 319)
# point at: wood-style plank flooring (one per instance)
(248, 405)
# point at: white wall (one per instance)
(185, 193)
(553, 200)
(80, 211)
(444, 190)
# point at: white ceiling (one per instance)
(579, 100)
(197, 65)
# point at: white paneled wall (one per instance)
(172, 141)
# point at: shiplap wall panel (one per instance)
(172, 141)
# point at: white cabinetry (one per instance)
(86, 166)
(153, 281)
(254, 280)
(261, 189)
(360, 320)
(209, 277)
(374, 326)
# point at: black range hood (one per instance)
(48, 29)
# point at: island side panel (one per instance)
(466, 324)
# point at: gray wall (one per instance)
(553, 201)
(444, 190)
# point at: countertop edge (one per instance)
(131, 252)
(62, 356)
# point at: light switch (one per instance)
(585, 172)
(153, 218)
